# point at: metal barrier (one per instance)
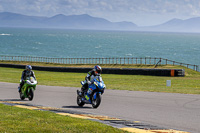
(126, 71)
(125, 60)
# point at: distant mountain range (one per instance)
(176, 25)
(85, 21)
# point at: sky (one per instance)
(140, 12)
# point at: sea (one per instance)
(65, 43)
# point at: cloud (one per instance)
(77, 6)
(113, 10)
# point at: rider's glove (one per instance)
(96, 83)
(89, 82)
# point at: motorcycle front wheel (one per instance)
(96, 102)
(31, 94)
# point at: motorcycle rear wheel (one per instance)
(21, 96)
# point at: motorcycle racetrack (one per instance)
(140, 111)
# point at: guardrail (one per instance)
(126, 71)
(125, 60)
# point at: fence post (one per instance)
(128, 60)
(150, 60)
(160, 61)
(136, 60)
(132, 60)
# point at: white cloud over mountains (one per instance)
(141, 12)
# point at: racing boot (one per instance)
(82, 90)
(79, 93)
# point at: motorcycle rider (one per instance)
(26, 73)
(89, 78)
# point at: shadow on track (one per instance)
(76, 107)
(12, 100)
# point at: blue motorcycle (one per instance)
(93, 94)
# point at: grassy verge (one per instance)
(13, 120)
(190, 84)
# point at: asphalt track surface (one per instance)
(173, 111)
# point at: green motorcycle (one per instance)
(27, 90)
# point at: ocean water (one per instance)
(60, 43)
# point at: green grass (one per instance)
(190, 84)
(14, 120)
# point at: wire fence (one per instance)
(125, 60)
